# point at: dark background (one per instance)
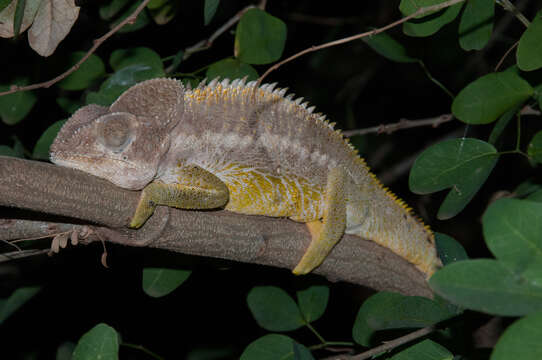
(353, 85)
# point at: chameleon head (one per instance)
(123, 143)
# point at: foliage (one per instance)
(101, 342)
(159, 282)
(498, 147)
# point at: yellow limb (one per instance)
(327, 233)
(195, 189)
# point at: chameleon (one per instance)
(247, 149)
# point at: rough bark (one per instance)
(45, 188)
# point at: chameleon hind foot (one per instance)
(326, 233)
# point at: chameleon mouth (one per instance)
(113, 170)
(85, 161)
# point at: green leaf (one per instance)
(69, 105)
(513, 233)
(122, 58)
(389, 48)
(259, 38)
(387, 310)
(488, 97)
(177, 59)
(65, 351)
(460, 164)
(18, 19)
(488, 286)
(7, 151)
(4, 4)
(274, 309)
(535, 147)
(156, 4)
(121, 80)
(141, 21)
(159, 282)
(424, 350)
(231, 69)
(101, 342)
(526, 188)
(313, 302)
(14, 107)
(41, 150)
(408, 7)
(209, 10)
(535, 196)
(165, 13)
(430, 23)
(190, 82)
(521, 340)
(275, 346)
(529, 53)
(103, 99)
(501, 124)
(92, 69)
(18, 147)
(449, 250)
(17, 299)
(476, 24)
(110, 10)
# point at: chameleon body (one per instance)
(246, 149)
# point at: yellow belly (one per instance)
(254, 192)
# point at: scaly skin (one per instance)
(250, 150)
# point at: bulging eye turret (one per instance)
(116, 131)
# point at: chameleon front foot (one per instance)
(199, 190)
(146, 205)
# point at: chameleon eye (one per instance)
(116, 131)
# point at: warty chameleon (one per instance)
(248, 150)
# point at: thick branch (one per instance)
(255, 239)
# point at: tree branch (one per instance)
(50, 189)
(402, 124)
(420, 11)
(207, 43)
(388, 345)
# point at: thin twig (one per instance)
(420, 11)
(500, 27)
(505, 55)
(434, 80)
(22, 254)
(508, 6)
(11, 244)
(389, 345)
(142, 349)
(207, 43)
(129, 20)
(527, 110)
(402, 124)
